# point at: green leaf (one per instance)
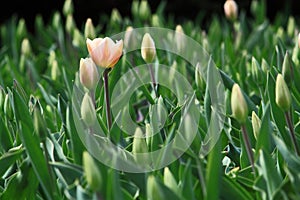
(9, 158)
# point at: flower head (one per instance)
(104, 51)
(239, 106)
(88, 73)
(148, 48)
(282, 94)
(231, 9)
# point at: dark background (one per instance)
(93, 8)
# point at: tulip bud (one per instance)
(115, 16)
(104, 51)
(291, 26)
(231, 10)
(256, 71)
(148, 134)
(264, 65)
(55, 71)
(70, 24)
(68, 7)
(256, 123)
(51, 58)
(78, 39)
(239, 106)
(127, 36)
(179, 37)
(282, 94)
(21, 29)
(200, 83)
(89, 29)
(139, 144)
(144, 10)
(155, 21)
(25, 47)
(287, 69)
(148, 48)
(88, 113)
(170, 181)
(56, 21)
(154, 191)
(88, 73)
(92, 173)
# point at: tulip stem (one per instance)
(107, 100)
(248, 146)
(92, 95)
(292, 132)
(153, 78)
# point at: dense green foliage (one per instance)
(42, 156)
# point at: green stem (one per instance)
(248, 146)
(292, 132)
(153, 79)
(107, 100)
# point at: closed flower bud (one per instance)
(25, 47)
(135, 8)
(55, 71)
(239, 106)
(256, 123)
(56, 21)
(21, 29)
(170, 181)
(148, 48)
(139, 144)
(282, 94)
(200, 83)
(92, 173)
(88, 73)
(287, 69)
(231, 10)
(291, 26)
(154, 190)
(39, 123)
(155, 20)
(256, 71)
(70, 24)
(104, 51)
(179, 38)
(127, 36)
(89, 29)
(144, 10)
(115, 16)
(264, 66)
(68, 8)
(78, 39)
(88, 113)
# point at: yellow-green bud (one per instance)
(55, 71)
(170, 181)
(148, 48)
(179, 38)
(116, 17)
(135, 8)
(56, 21)
(70, 24)
(89, 29)
(154, 191)
(68, 7)
(144, 10)
(256, 71)
(264, 66)
(139, 144)
(21, 28)
(78, 40)
(25, 47)
(282, 94)
(88, 73)
(291, 26)
(51, 58)
(127, 36)
(155, 20)
(231, 10)
(256, 123)
(239, 106)
(200, 83)
(92, 173)
(287, 69)
(88, 112)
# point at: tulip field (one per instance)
(148, 107)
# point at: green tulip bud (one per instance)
(144, 10)
(88, 73)
(200, 82)
(287, 69)
(154, 191)
(291, 25)
(256, 123)
(68, 8)
(92, 173)
(78, 40)
(56, 21)
(55, 71)
(170, 181)
(282, 94)
(25, 47)
(135, 8)
(264, 65)
(70, 24)
(88, 112)
(148, 48)
(239, 106)
(89, 29)
(21, 29)
(256, 71)
(139, 144)
(116, 17)
(39, 123)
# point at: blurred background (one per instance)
(94, 8)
